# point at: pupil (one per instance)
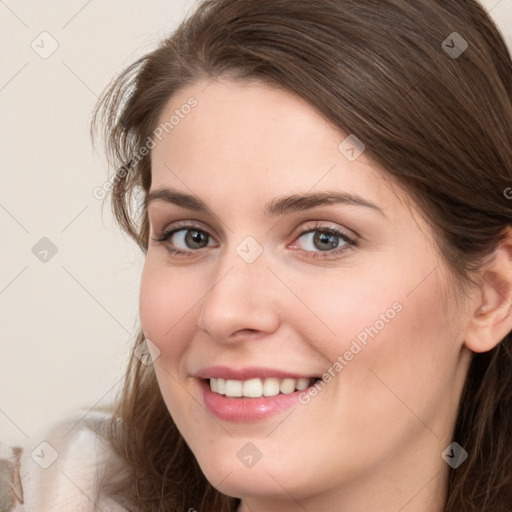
(197, 237)
(325, 238)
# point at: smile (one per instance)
(258, 388)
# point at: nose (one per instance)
(242, 301)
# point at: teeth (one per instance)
(252, 388)
(221, 386)
(256, 388)
(287, 386)
(234, 387)
(270, 387)
(302, 384)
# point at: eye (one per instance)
(320, 241)
(184, 240)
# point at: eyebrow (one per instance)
(278, 206)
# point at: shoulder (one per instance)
(64, 467)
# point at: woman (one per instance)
(322, 192)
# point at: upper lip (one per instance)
(249, 372)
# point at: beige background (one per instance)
(66, 323)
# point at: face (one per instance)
(331, 316)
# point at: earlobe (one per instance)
(492, 317)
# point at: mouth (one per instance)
(248, 394)
(259, 387)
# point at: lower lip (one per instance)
(246, 410)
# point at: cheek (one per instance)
(166, 304)
(394, 296)
(383, 328)
(404, 372)
(166, 307)
(338, 310)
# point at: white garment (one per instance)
(64, 469)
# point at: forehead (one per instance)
(240, 135)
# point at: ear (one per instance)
(491, 320)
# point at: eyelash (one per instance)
(166, 235)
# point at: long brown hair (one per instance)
(439, 122)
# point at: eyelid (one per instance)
(317, 225)
(182, 224)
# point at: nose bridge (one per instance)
(241, 296)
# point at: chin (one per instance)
(267, 477)
(247, 482)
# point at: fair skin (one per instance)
(372, 439)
